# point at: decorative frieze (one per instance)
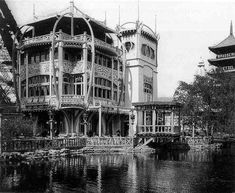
(34, 101)
(69, 41)
(72, 100)
(73, 67)
(104, 102)
(35, 69)
(103, 71)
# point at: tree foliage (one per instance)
(209, 101)
(13, 127)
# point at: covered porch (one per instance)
(157, 118)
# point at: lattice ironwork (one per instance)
(6, 83)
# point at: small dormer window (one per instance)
(129, 46)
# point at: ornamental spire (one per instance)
(231, 28)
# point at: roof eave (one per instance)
(107, 29)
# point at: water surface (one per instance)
(191, 171)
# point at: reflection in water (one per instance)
(192, 171)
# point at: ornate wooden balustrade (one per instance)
(154, 129)
(23, 145)
(72, 100)
(198, 140)
(68, 38)
(110, 141)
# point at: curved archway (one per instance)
(92, 59)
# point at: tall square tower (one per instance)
(140, 43)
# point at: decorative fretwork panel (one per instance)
(110, 141)
(21, 145)
(38, 69)
(72, 100)
(102, 71)
(73, 68)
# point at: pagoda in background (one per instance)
(225, 54)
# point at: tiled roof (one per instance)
(229, 41)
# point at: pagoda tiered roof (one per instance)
(228, 61)
(225, 46)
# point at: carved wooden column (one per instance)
(153, 120)
(112, 80)
(131, 123)
(118, 94)
(0, 133)
(18, 72)
(172, 121)
(60, 66)
(139, 118)
(179, 117)
(72, 15)
(51, 72)
(144, 121)
(85, 116)
(100, 119)
(50, 122)
(27, 74)
(84, 57)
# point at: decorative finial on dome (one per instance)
(155, 28)
(138, 11)
(119, 16)
(231, 28)
(105, 18)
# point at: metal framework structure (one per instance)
(8, 27)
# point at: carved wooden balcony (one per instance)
(72, 100)
(104, 102)
(157, 129)
(68, 40)
(110, 142)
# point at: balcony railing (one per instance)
(228, 68)
(104, 102)
(37, 100)
(66, 37)
(23, 145)
(28, 145)
(110, 141)
(225, 55)
(72, 100)
(156, 129)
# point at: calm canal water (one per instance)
(183, 172)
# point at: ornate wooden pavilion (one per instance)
(158, 120)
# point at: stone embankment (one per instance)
(212, 146)
(47, 154)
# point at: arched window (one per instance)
(129, 46)
(42, 92)
(143, 49)
(148, 88)
(147, 51)
(37, 91)
(152, 55)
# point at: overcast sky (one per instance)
(186, 28)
